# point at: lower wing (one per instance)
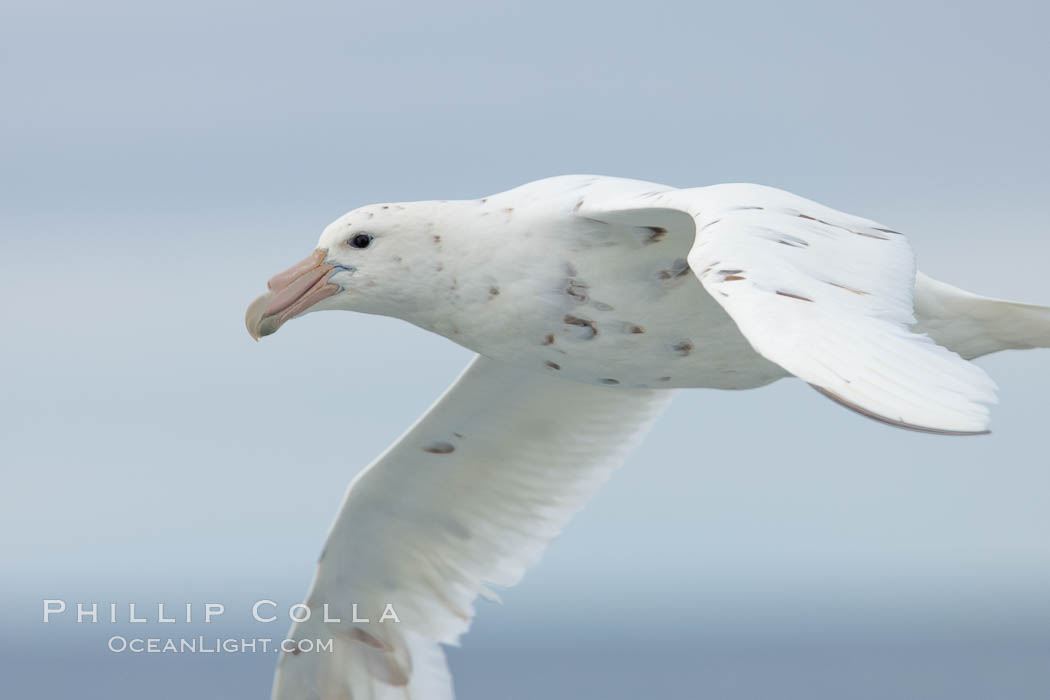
(470, 495)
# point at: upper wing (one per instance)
(826, 295)
(471, 494)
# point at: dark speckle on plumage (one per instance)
(440, 448)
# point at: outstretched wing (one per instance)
(825, 295)
(470, 495)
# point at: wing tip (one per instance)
(856, 408)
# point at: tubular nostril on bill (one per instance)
(295, 289)
(283, 279)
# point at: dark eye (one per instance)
(360, 240)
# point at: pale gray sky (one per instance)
(159, 161)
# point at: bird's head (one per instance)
(376, 259)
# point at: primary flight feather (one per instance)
(588, 300)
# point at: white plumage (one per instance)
(470, 495)
(589, 299)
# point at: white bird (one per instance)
(588, 299)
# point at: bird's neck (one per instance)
(476, 273)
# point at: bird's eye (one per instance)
(360, 240)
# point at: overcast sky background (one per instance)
(159, 161)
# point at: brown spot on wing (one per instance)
(609, 380)
(577, 290)
(439, 448)
(571, 320)
(679, 268)
(548, 339)
(703, 273)
(553, 365)
(859, 233)
(848, 289)
(656, 234)
(793, 296)
(869, 235)
(793, 241)
(683, 347)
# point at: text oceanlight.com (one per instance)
(203, 645)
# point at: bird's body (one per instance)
(587, 299)
(521, 278)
